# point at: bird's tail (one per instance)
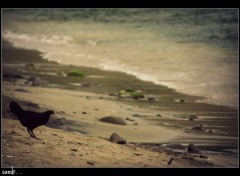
(15, 108)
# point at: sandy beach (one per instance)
(153, 122)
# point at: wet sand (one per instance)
(162, 117)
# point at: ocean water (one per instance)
(194, 51)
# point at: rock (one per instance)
(12, 76)
(203, 156)
(22, 90)
(193, 149)
(86, 84)
(151, 99)
(34, 81)
(192, 117)
(29, 65)
(170, 161)
(84, 113)
(113, 120)
(117, 139)
(158, 115)
(175, 146)
(198, 127)
(90, 162)
(210, 131)
(137, 96)
(75, 150)
(138, 154)
(129, 119)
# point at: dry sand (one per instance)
(69, 149)
(59, 148)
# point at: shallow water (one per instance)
(194, 51)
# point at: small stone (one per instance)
(210, 131)
(137, 154)
(151, 99)
(129, 119)
(29, 65)
(22, 90)
(75, 150)
(84, 113)
(203, 156)
(170, 161)
(198, 127)
(175, 146)
(90, 162)
(193, 149)
(158, 115)
(117, 139)
(193, 117)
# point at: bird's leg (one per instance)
(29, 131)
(34, 135)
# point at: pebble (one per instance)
(170, 161)
(90, 162)
(75, 150)
(203, 156)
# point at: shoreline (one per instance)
(159, 116)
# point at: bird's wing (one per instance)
(31, 118)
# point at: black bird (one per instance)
(30, 119)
